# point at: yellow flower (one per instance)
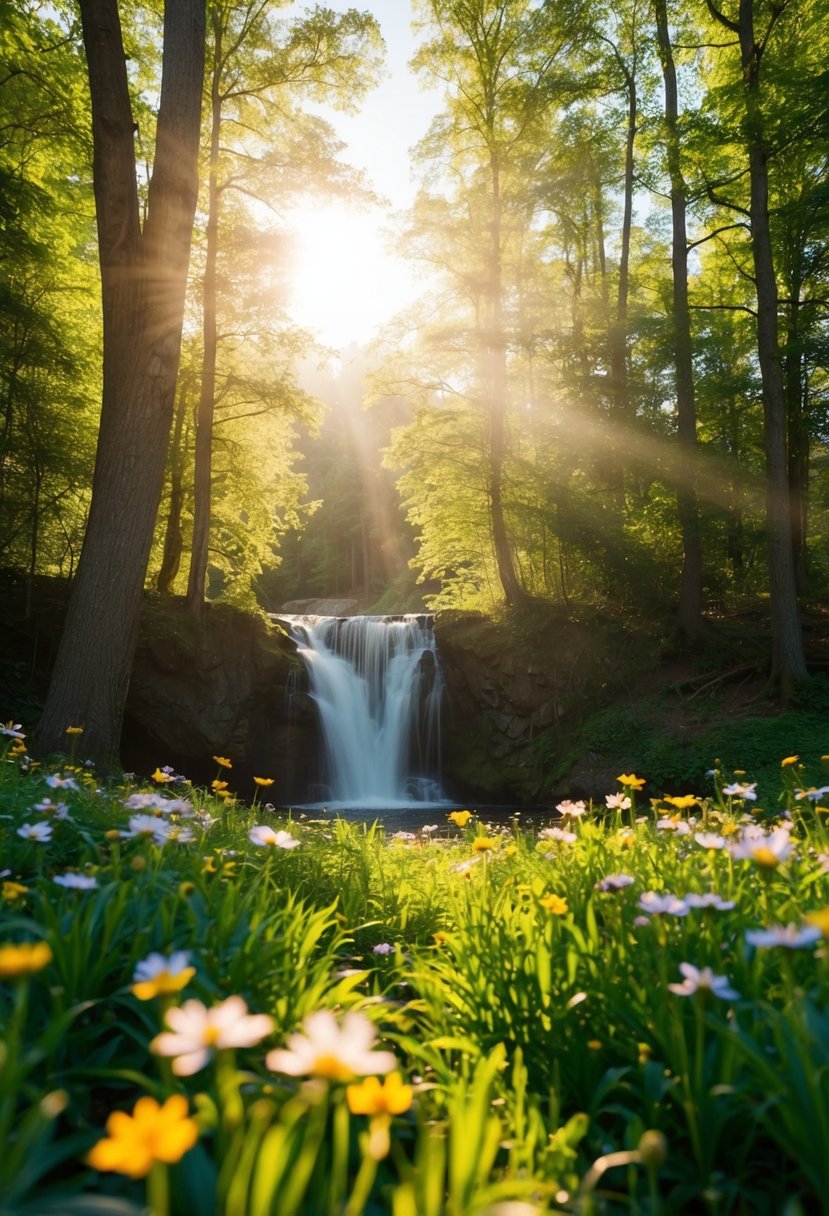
(821, 919)
(554, 904)
(629, 779)
(376, 1097)
(13, 890)
(789, 760)
(766, 858)
(151, 1133)
(25, 959)
(441, 938)
(223, 761)
(209, 866)
(461, 818)
(594, 1044)
(484, 844)
(681, 801)
(74, 730)
(264, 780)
(161, 778)
(218, 785)
(165, 982)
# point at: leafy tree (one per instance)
(143, 279)
(257, 73)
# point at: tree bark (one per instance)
(788, 662)
(173, 536)
(143, 280)
(495, 361)
(689, 615)
(203, 473)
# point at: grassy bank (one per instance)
(625, 1012)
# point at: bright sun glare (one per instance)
(345, 282)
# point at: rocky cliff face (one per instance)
(233, 686)
(514, 701)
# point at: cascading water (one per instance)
(378, 687)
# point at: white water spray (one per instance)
(378, 686)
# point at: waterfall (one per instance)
(377, 684)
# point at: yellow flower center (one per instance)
(332, 1068)
(765, 857)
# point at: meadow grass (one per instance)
(212, 1008)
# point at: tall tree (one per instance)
(788, 666)
(143, 282)
(690, 592)
(499, 61)
(257, 70)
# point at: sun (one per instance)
(346, 282)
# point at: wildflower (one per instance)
(157, 975)
(709, 899)
(404, 836)
(264, 781)
(572, 809)
(428, 828)
(161, 777)
(217, 785)
(74, 730)
(460, 818)
(703, 980)
(13, 730)
(665, 904)
(559, 834)
(178, 833)
(554, 904)
(631, 781)
(747, 792)
(13, 890)
(151, 1133)
(614, 882)
(813, 794)
(709, 840)
(337, 1050)
(383, 948)
(223, 762)
(441, 938)
(266, 837)
(77, 882)
(681, 801)
(768, 851)
(56, 810)
(375, 1097)
(56, 782)
(196, 1030)
(784, 935)
(153, 803)
(484, 844)
(17, 961)
(680, 826)
(147, 825)
(789, 760)
(41, 832)
(617, 802)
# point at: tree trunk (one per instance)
(495, 361)
(173, 536)
(203, 474)
(618, 335)
(788, 663)
(143, 281)
(689, 617)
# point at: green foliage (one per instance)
(528, 1000)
